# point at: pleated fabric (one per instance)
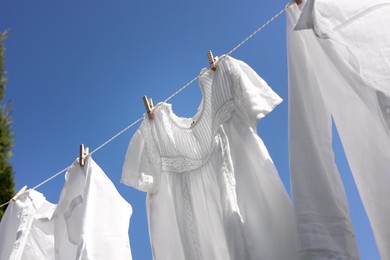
(213, 190)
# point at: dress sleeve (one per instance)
(140, 170)
(251, 93)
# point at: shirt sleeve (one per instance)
(251, 93)
(139, 169)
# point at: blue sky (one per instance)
(77, 71)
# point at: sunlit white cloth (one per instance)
(213, 190)
(339, 68)
(92, 219)
(27, 230)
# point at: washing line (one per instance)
(166, 100)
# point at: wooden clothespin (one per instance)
(211, 60)
(23, 189)
(83, 153)
(148, 106)
(298, 2)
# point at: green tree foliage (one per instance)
(7, 183)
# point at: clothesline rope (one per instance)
(167, 99)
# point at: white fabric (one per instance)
(321, 205)
(26, 229)
(213, 190)
(340, 68)
(91, 219)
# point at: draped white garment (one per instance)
(91, 219)
(27, 230)
(213, 190)
(340, 68)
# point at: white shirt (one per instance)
(91, 219)
(213, 190)
(26, 229)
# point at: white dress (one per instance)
(213, 190)
(339, 68)
(91, 219)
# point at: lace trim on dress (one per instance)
(192, 248)
(180, 164)
(222, 115)
(237, 89)
(151, 150)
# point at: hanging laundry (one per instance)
(213, 190)
(91, 219)
(319, 198)
(27, 230)
(339, 68)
